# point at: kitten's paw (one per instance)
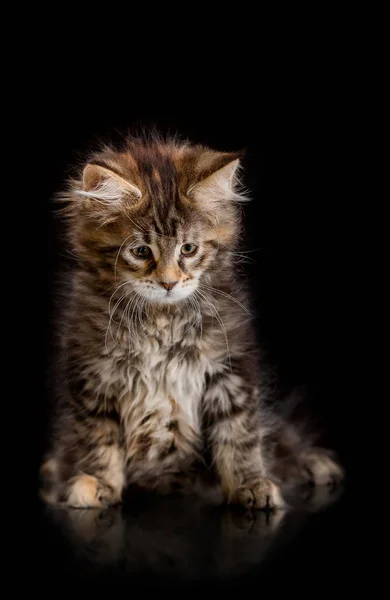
(318, 468)
(261, 493)
(86, 491)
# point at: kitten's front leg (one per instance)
(233, 430)
(86, 469)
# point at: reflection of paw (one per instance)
(238, 523)
(261, 493)
(320, 469)
(86, 491)
(319, 497)
(86, 523)
(94, 534)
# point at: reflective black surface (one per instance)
(179, 543)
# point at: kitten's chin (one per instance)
(164, 298)
(167, 300)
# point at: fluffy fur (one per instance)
(161, 377)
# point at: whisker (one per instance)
(112, 313)
(212, 289)
(196, 308)
(69, 256)
(143, 305)
(123, 314)
(243, 259)
(117, 254)
(221, 323)
(131, 320)
(136, 225)
(139, 313)
(109, 326)
(114, 292)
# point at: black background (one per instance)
(295, 114)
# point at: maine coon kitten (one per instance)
(160, 368)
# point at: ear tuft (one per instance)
(92, 176)
(218, 182)
(224, 177)
(106, 186)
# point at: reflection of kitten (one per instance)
(174, 537)
(160, 366)
(179, 537)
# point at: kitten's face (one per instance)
(156, 217)
(166, 269)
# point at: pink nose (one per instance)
(168, 286)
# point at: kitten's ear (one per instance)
(217, 177)
(106, 186)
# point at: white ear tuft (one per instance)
(225, 177)
(105, 186)
(218, 186)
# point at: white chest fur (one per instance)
(162, 363)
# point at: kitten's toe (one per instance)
(262, 493)
(318, 468)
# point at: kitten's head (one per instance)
(159, 216)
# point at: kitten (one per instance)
(161, 373)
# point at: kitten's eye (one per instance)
(188, 249)
(141, 252)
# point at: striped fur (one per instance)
(157, 384)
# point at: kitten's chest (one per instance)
(164, 374)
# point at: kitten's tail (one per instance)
(293, 445)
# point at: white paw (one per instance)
(86, 491)
(83, 493)
(261, 493)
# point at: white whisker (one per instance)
(111, 315)
(117, 254)
(113, 294)
(212, 289)
(196, 308)
(219, 319)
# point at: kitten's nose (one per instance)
(168, 286)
